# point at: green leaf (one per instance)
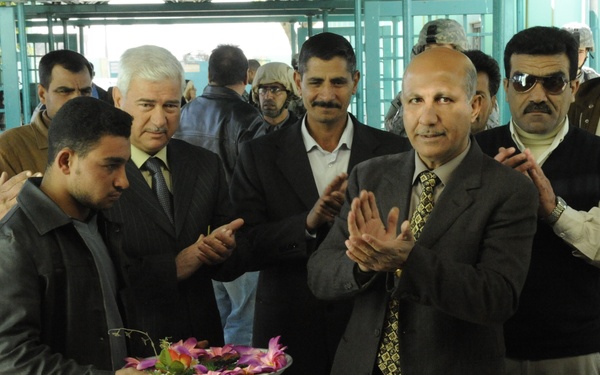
(177, 366)
(165, 357)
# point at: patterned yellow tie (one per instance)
(388, 356)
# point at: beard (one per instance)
(269, 109)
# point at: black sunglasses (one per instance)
(554, 84)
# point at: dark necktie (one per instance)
(159, 186)
(388, 357)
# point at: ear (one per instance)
(574, 85)
(298, 80)
(64, 160)
(475, 107)
(117, 97)
(41, 93)
(355, 79)
(505, 83)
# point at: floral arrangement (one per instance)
(191, 357)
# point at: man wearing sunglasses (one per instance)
(556, 329)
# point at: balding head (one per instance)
(444, 60)
(439, 102)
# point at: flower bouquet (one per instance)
(191, 357)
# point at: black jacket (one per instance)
(52, 315)
(219, 120)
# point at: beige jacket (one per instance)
(25, 148)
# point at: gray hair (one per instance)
(150, 63)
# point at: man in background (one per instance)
(64, 75)
(583, 34)
(273, 89)
(585, 111)
(62, 266)
(488, 82)
(441, 32)
(253, 66)
(219, 119)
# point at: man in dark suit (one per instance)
(556, 329)
(289, 185)
(453, 274)
(173, 256)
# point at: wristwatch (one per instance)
(557, 211)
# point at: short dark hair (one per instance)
(253, 65)
(227, 65)
(80, 124)
(70, 60)
(543, 40)
(326, 46)
(486, 64)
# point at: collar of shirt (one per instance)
(557, 139)
(345, 139)
(139, 157)
(443, 172)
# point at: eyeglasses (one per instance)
(275, 90)
(554, 84)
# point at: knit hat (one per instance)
(442, 31)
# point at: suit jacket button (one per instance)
(377, 332)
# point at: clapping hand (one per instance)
(373, 245)
(211, 249)
(329, 204)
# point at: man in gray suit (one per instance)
(451, 277)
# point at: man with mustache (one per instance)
(289, 185)
(434, 282)
(62, 268)
(273, 89)
(176, 213)
(556, 329)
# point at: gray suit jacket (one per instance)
(461, 281)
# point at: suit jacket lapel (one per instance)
(363, 144)
(295, 166)
(397, 187)
(143, 197)
(455, 198)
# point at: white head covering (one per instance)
(274, 72)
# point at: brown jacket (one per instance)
(585, 111)
(25, 148)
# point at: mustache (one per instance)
(537, 107)
(156, 129)
(317, 103)
(429, 133)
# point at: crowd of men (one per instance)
(456, 246)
